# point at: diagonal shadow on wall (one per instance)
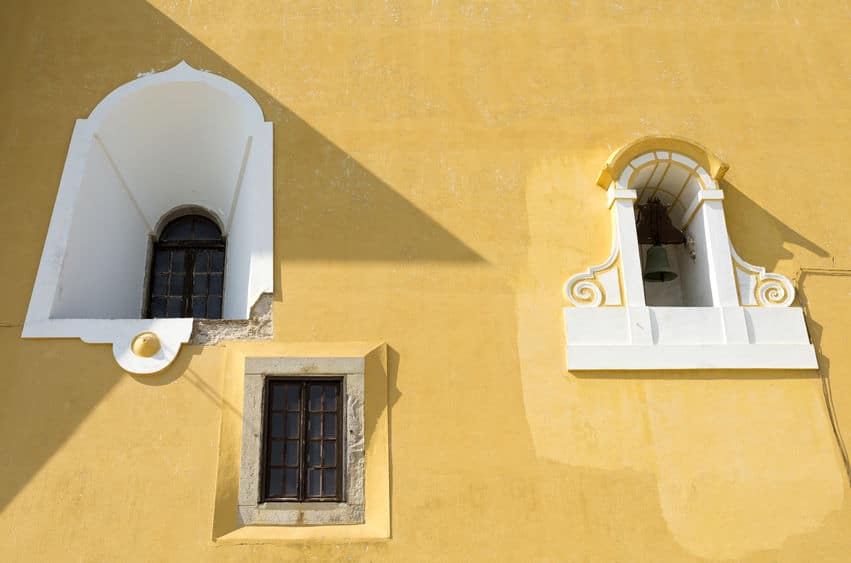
(759, 236)
(328, 206)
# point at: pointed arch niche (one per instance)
(165, 142)
(721, 313)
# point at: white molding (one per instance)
(758, 287)
(172, 333)
(668, 338)
(744, 325)
(591, 288)
(254, 237)
(696, 357)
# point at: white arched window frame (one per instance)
(735, 314)
(181, 138)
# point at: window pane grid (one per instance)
(187, 272)
(301, 440)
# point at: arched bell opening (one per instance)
(670, 229)
(667, 297)
(660, 245)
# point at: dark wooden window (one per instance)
(302, 454)
(187, 270)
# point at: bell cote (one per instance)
(673, 293)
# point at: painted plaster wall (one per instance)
(434, 187)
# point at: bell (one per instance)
(656, 266)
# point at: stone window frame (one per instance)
(351, 511)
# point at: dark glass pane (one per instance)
(199, 284)
(293, 397)
(178, 261)
(158, 307)
(175, 284)
(277, 425)
(161, 261)
(214, 307)
(290, 482)
(330, 426)
(314, 427)
(172, 255)
(330, 454)
(315, 397)
(278, 397)
(202, 261)
(215, 284)
(292, 425)
(179, 229)
(292, 453)
(276, 453)
(217, 262)
(313, 482)
(330, 397)
(160, 284)
(174, 307)
(206, 229)
(329, 482)
(314, 454)
(274, 482)
(199, 307)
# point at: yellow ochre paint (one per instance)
(434, 173)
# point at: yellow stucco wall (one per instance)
(434, 187)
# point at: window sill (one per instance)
(687, 338)
(171, 333)
(302, 514)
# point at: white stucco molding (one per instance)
(182, 137)
(737, 315)
(760, 288)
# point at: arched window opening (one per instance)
(187, 270)
(98, 278)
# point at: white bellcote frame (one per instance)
(728, 314)
(182, 138)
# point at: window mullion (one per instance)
(302, 449)
(340, 447)
(187, 282)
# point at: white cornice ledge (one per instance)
(687, 338)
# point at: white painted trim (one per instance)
(666, 338)
(181, 72)
(257, 241)
(614, 194)
(686, 358)
(583, 290)
(172, 333)
(729, 334)
(758, 287)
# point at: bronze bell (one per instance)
(657, 268)
(653, 226)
